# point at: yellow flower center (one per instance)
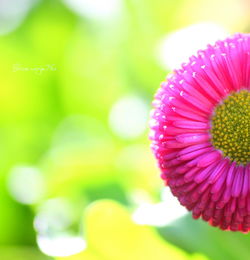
(231, 127)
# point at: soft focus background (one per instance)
(78, 180)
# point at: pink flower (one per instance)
(200, 132)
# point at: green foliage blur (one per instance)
(77, 80)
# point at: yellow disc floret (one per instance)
(231, 127)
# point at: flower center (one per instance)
(231, 127)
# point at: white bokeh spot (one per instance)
(95, 9)
(128, 117)
(61, 246)
(175, 48)
(12, 13)
(159, 214)
(26, 184)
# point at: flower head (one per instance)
(200, 132)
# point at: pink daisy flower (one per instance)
(200, 132)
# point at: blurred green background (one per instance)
(78, 180)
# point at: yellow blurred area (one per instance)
(233, 15)
(111, 234)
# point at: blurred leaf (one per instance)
(16, 222)
(30, 104)
(198, 236)
(110, 190)
(81, 156)
(21, 253)
(91, 78)
(137, 168)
